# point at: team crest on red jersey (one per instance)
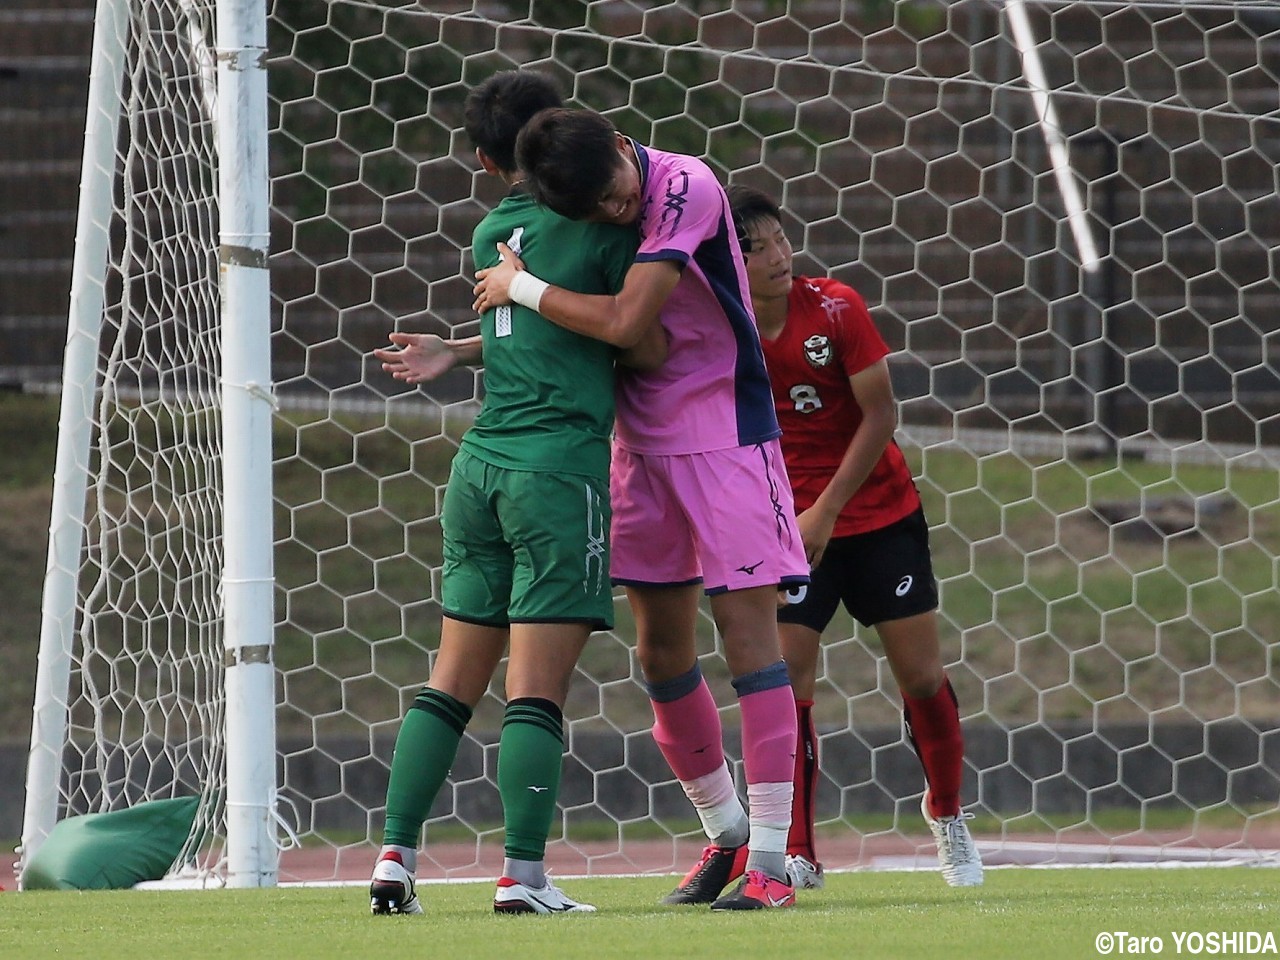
(817, 350)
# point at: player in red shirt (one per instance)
(863, 527)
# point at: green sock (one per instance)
(425, 750)
(529, 761)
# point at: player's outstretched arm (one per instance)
(622, 320)
(419, 357)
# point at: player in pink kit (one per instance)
(699, 490)
(862, 523)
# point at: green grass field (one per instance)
(1018, 913)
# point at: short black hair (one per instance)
(749, 206)
(568, 158)
(495, 111)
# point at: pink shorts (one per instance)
(724, 517)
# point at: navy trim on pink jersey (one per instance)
(753, 401)
(785, 583)
(718, 259)
(666, 253)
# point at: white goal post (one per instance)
(1064, 217)
(208, 417)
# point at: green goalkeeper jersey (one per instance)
(548, 404)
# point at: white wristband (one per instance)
(527, 290)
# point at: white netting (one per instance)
(145, 711)
(1097, 449)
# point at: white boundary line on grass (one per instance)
(1019, 855)
(1150, 857)
(1057, 856)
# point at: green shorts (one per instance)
(525, 547)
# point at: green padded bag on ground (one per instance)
(112, 851)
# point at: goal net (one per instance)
(1064, 217)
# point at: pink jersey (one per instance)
(713, 391)
(828, 337)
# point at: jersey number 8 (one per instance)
(805, 397)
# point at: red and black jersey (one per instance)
(829, 337)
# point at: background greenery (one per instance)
(1033, 583)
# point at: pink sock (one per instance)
(688, 732)
(769, 735)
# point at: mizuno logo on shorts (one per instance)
(903, 586)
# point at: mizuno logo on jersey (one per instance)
(596, 568)
(673, 204)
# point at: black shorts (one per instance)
(886, 574)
